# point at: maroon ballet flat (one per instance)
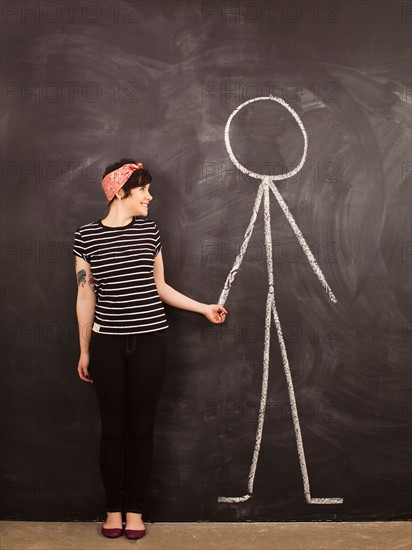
(133, 534)
(112, 533)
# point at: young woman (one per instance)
(123, 332)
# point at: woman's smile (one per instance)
(144, 190)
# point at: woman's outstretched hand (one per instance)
(215, 313)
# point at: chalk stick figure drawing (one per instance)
(268, 183)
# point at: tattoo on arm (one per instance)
(81, 277)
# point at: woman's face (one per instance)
(140, 198)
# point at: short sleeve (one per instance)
(79, 247)
(158, 242)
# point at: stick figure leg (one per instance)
(295, 417)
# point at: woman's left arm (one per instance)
(215, 313)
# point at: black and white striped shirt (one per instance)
(121, 260)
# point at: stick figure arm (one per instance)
(236, 265)
(312, 261)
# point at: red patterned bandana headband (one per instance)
(116, 179)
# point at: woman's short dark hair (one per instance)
(137, 178)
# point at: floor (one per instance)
(23, 535)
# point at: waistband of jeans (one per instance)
(160, 332)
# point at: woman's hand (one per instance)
(83, 367)
(215, 313)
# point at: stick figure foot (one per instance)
(233, 499)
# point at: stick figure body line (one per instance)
(267, 184)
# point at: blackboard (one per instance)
(158, 81)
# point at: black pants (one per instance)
(127, 373)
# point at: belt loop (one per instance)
(131, 343)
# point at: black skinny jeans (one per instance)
(127, 373)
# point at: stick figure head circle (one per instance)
(254, 174)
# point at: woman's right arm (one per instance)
(85, 307)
